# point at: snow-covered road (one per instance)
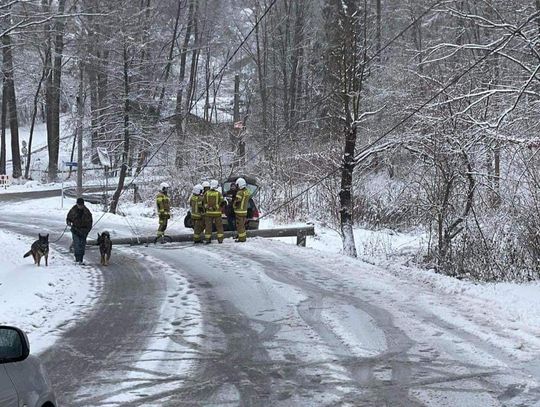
(269, 324)
(285, 326)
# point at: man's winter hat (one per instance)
(80, 201)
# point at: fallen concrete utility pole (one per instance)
(300, 232)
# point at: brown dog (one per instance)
(105, 247)
(39, 249)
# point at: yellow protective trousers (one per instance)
(241, 228)
(209, 221)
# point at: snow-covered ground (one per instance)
(42, 300)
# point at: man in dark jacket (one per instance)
(229, 209)
(80, 220)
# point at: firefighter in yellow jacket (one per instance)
(164, 208)
(197, 212)
(212, 203)
(240, 205)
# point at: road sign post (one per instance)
(70, 164)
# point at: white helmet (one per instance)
(214, 184)
(164, 185)
(197, 189)
(206, 184)
(241, 183)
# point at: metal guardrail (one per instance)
(299, 232)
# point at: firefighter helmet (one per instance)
(241, 183)
(164, 186)
(206, 184)
(197, 189)
(214, 184)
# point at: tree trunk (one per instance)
(11, 105)
(538, 18)
(378, 33)
(179, 113)
(284, 67)
(32, 125)
(190, 96)
(47, 67)
(103, 91)
(497, 148)
(92, 73)
(345, 194)
(125, 153)
(80, 117)
(235, 133)
(261, 72)
(497, 174)
(418, 42)
(3, 134)
(296, 61)
(168, 65)
(53, 101)
(207, 81)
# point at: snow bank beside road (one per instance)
(41, 301)
(520, 302)
(512, 309)
(29, 186)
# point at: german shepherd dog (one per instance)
(39, 249)
(105, 247)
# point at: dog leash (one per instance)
(57, 240)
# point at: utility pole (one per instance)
(80, 115)
(238, 126)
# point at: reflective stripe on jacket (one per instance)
(163, 203)
(241, 201)
(212, 200)
(197, 209)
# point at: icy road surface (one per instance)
(285, 326)
(276, 325)
(269, 324)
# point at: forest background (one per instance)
(381, 113)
